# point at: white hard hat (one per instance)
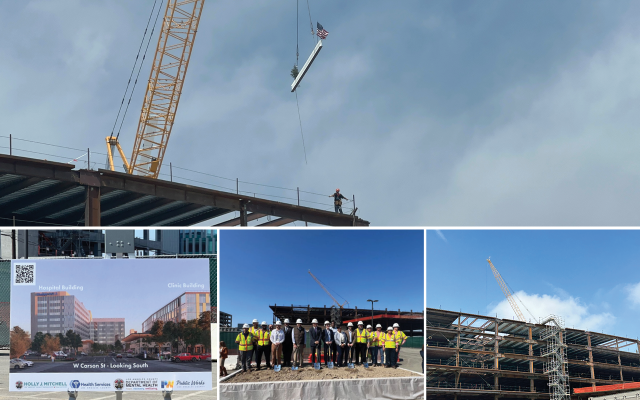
(263, 322)
(245, 326)
(368, 326)
(315, 321)
(389, 328)
(396, 325)
(299, 321)
(286, 320)
(360, 323)
(278, 322)
(378, 326)
(327, 323)
(350, 324)
(255, 320)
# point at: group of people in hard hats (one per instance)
(340, 347)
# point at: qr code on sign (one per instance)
(25, 274)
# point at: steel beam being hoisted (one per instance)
(306, 66)
(170, 63)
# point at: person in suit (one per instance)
(287, 346)
(328, 341)
(340, 340)
(334, 348)
(351, 343)
(315, 334)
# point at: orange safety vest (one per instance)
(245, 344)
(390, 341)
(361, 337)
(263, 337)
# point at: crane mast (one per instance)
(506, 292)
(175, 43)
(325, 289)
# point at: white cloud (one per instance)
(575, 313)
(633, 292)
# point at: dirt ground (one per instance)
(307, 373)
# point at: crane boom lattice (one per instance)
(507, 292)
(325, 289)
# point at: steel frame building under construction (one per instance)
(483, 357)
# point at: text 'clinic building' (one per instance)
(58, 312)
(187, 306)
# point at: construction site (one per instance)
(472, 356)
(109, 188)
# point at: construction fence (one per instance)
(5, 290)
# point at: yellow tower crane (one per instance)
(507, 292)
(175, 42)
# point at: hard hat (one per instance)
(278, 322)
(245, 326)
(378, 326)
(350, 324)
(299, 321)
(315, 321)
(360, 323)
(263, 322)
(286, 320)
(327, 323)
(337, 190)
(255, 320)
(368, 326)
(396, 325)
(389, 328)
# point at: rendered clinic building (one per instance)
(187, 306)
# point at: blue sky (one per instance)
(530, 104)
(262, 268)
(129, 289)
(591, 278)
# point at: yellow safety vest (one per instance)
(369, 337)
(390, 341)
(245, 344)
(361, 337)
(263, 337)
(254, 330)
(380, 338)
(400, 336)
(375, 339)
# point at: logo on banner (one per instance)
(166, 384)
(118, 383)
(75, 384)
(19, 385)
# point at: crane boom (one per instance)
(325, 289)
(175, 43)
(506, 292)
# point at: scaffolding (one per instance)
(556, 352)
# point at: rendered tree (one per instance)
(19, 341)
(50, 345)
(38, 339)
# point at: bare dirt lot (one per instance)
(308, 373)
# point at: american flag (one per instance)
(322, 34)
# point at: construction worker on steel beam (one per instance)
(337, 200)
(245, 346)
(264, 346)
(401, 338)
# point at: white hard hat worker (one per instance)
(360, 323)
(368, 326)
(378, 326)
(255, 321)
(327, 323)
(264, 323)
(278, 322)
(286, 320)
(396, 325)
(389, 328)
(298, 321)
(245, 326)
(350, 324)
(315, 321)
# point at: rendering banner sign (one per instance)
(110, 324)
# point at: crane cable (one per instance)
(140, 67)
(304, 148)
(133, 68)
